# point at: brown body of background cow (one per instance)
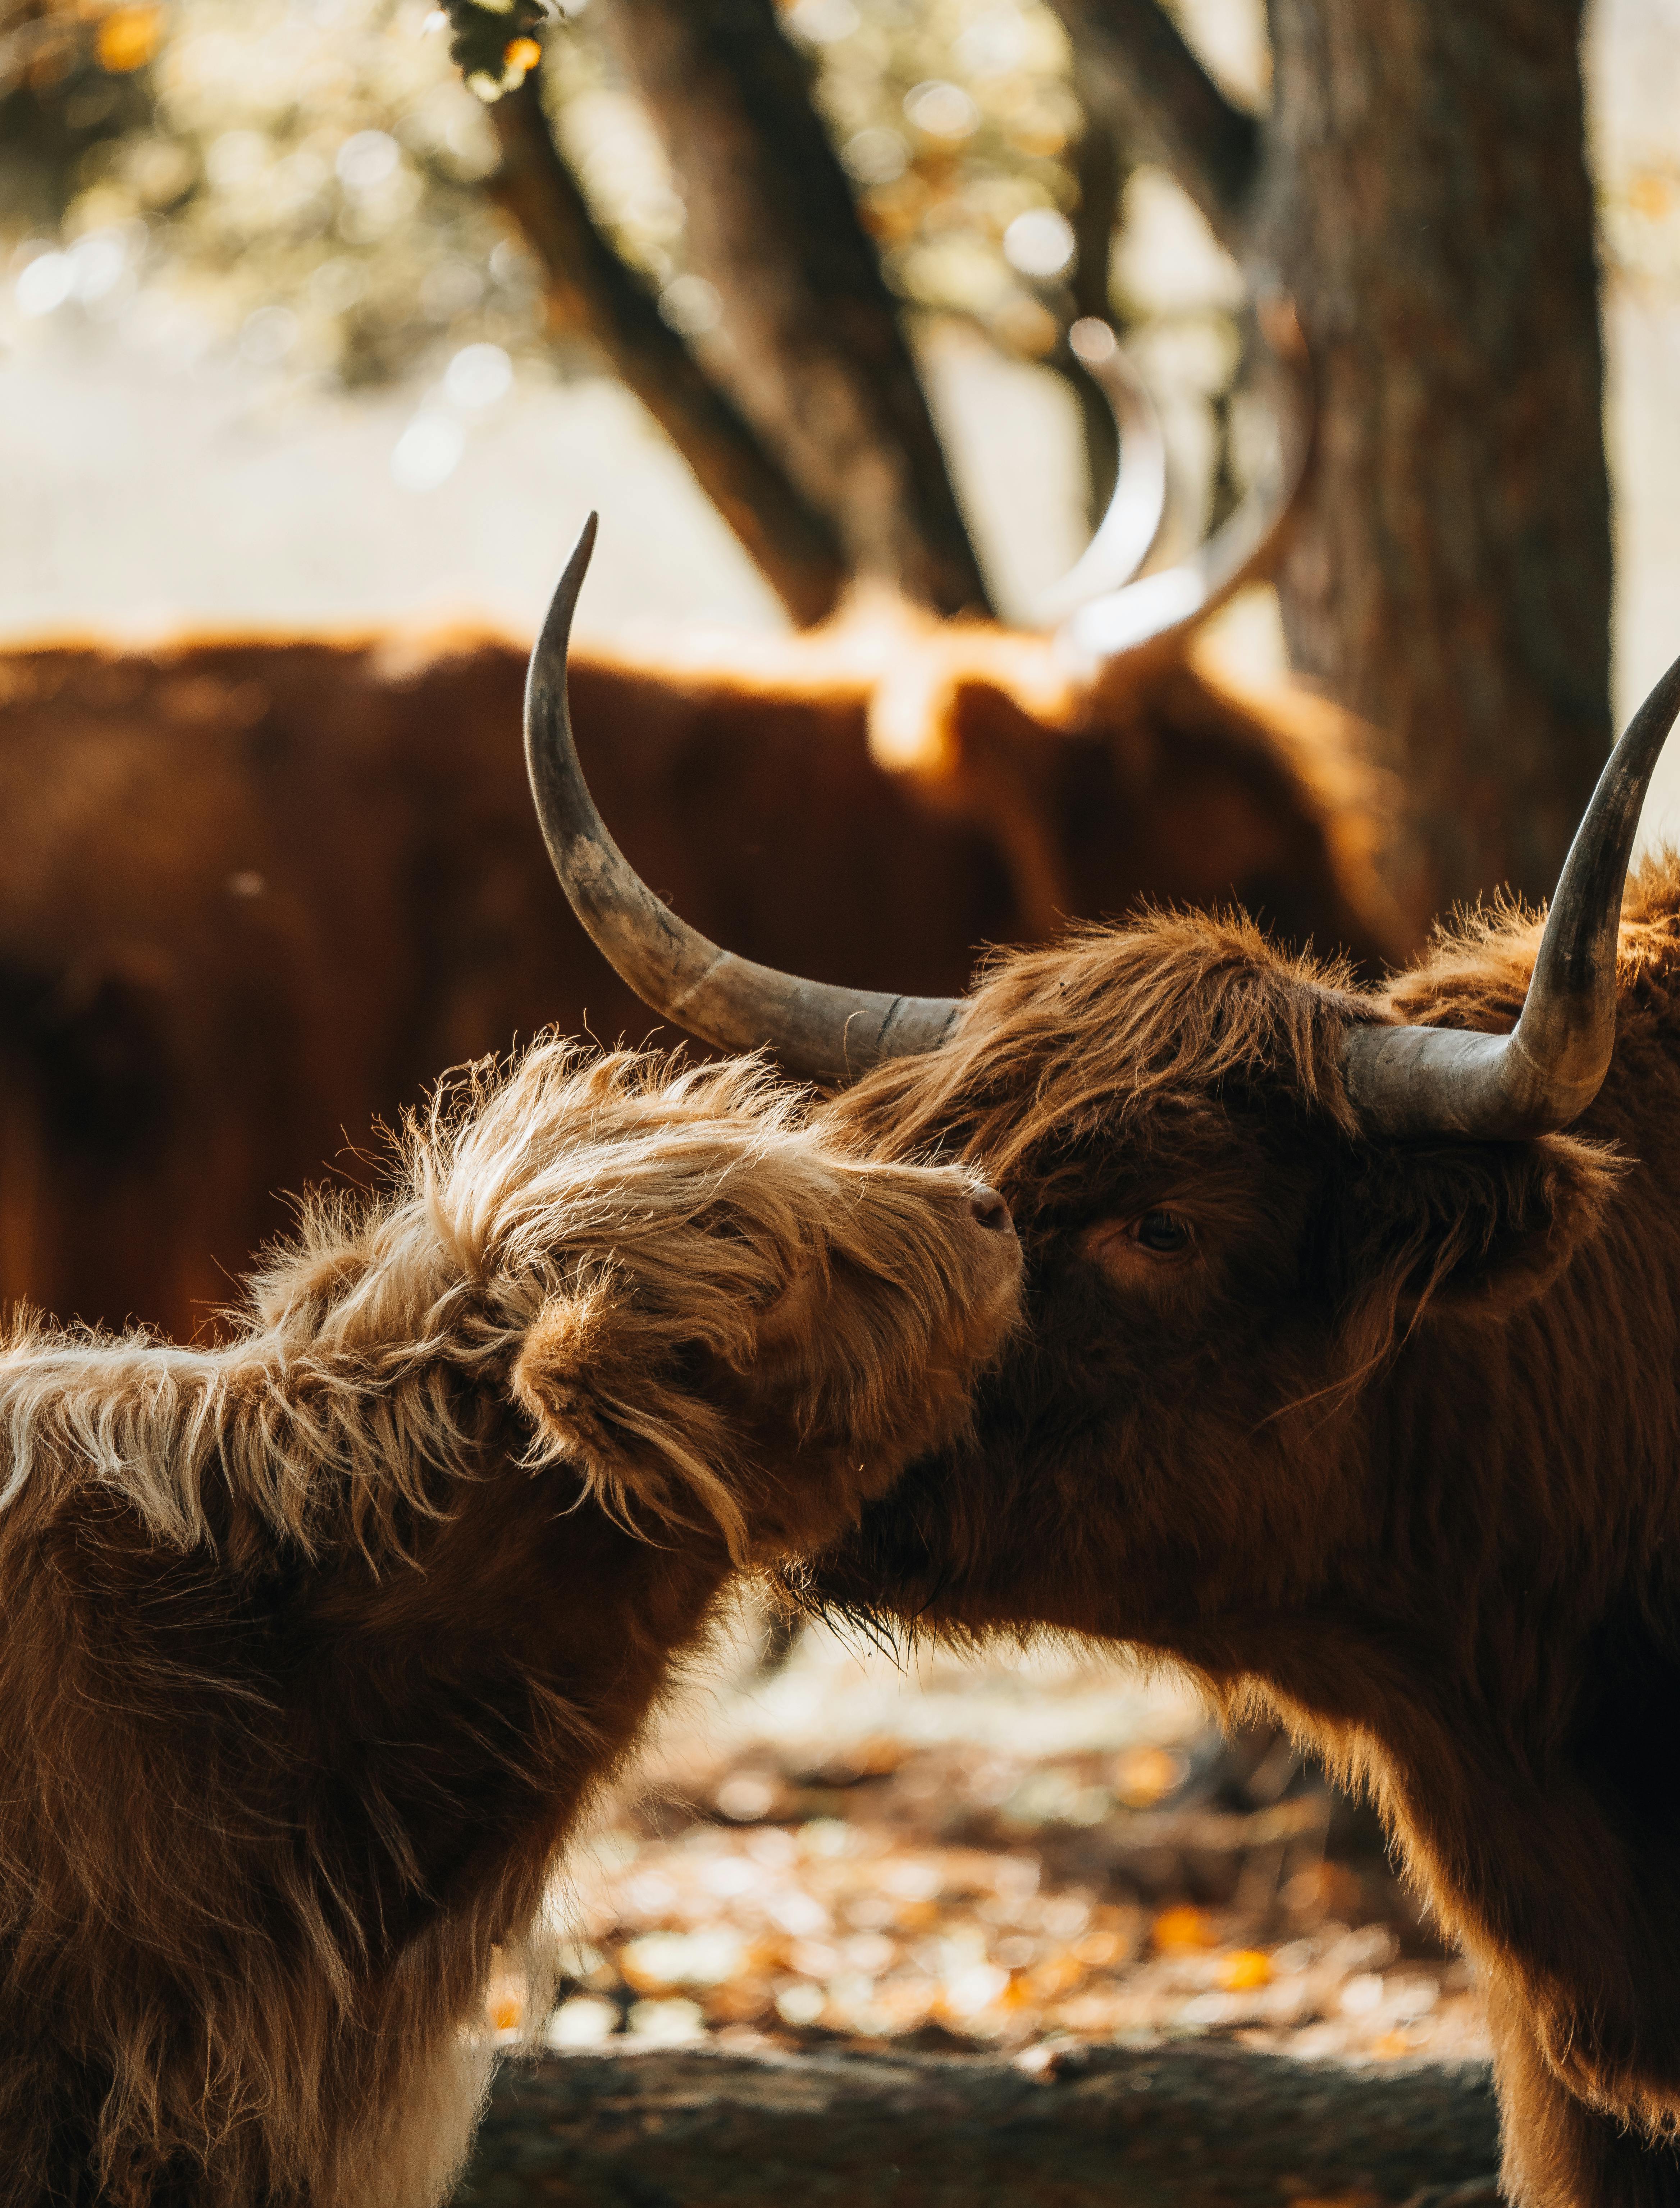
(260, 891)
(316, 1644)
(1349, 1381)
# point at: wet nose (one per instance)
(989, 1209)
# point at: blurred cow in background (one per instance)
(258, 891)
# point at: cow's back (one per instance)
(258, 893)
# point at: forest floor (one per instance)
(1018, 1855)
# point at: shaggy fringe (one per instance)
(1060, 1046)
(343, 1405)
(673, 1275)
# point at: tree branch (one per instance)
(1175, 2126)
(1101, 170)
(795, 546)
(819, 356)
(1167, 100)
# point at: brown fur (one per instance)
(1394, 1447)
(316, 1644)
(257, 892)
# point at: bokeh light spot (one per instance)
(477, 377)
(941, 109)
(268, 336)
(691, 305)
(1040, 243)
(428, 453)
(127, 39)
(44, 285)
(876, 156)
(366, 159)
(822, 22)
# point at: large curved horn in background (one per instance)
(819, 1031)
(1125, 536)
(1448, 1081)
(1157, 607)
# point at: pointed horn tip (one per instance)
(555, 632)
(687, 978)
(1540, 1077)
(582, 551)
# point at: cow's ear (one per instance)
(604, 1384)
(574, 1374)
(1470, 1228)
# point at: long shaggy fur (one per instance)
(1393, 1446)
(315, 1644)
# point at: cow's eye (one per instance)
(1163, 1233)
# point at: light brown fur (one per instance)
(314, 1645)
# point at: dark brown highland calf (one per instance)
(257, 893)
(314, 1645)
(1351, 1380)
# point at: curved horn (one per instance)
(1125, 536)
(818, 1031)
(1157, 607)
(1451, 1081)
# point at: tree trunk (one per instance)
(1425, 197)
(814, 351)
(590, 289)
(1184, 2127)
(1421, 187)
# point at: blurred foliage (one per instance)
(303, 177)
(304, 174)
(955, 120)
(492, 43)
(304, 180)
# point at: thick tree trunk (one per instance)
(590, 289)
(1421, 187)
(815, 351)
(1425, 197)
(1172, 2127)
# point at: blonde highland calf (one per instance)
(316, 1643)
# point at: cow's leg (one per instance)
(1559, 2153)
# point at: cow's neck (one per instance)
(550, 1633)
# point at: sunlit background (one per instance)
(268, 355)
(277, 358)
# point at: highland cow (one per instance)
(1350, 1380)
(316, 1645)
(260, 889)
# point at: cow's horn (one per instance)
(820, 1032)
(1143, 615)
(1449, 1081)
(1125, 536)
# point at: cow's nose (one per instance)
(989, 1209)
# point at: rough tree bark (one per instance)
(1421, 186)
(589, 286)
(817, 354)
(1181, 2126)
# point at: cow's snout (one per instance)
(989, 1209)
